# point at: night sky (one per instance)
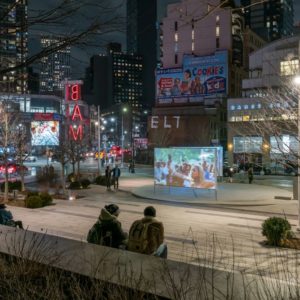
(81, 55)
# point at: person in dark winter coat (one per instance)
(109, 229)
(6, 218)
(116, 173)
(250, 175)
(108, 178)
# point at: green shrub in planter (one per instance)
(46, 199)
(32, 193)
(276, 229)
(75, 185)
(12, 185)
(85, 183)
(100, 180)
(33, 202)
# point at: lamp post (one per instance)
(297, 83)
(122, 137)
(99, 139)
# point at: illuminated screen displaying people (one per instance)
(186, 167)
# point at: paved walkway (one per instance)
(254, 198)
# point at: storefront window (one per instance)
(283, 144)
(248, 144)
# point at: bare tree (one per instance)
(80, 23)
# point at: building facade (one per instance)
(262, 125)
(203, 42)
(55, 68)
(13, 46)
(271, 20)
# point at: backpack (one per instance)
(98, 235)
(138, 236)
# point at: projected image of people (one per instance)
(190, 167)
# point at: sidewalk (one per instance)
(255, 198)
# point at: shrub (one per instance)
(12, 185)
(31, 193)
(46, 199)
(276, 229)
(100, 180)
(85, 183)
(33, 202)
(75, 185)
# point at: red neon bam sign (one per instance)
(73, 93)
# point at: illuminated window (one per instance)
(217, 31)
(246, 118)
(289, 67)
(176, 37)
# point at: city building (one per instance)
(55, 68)
(141, 40)
(114, 78)
(202, 64)
(270, 19)
(262, 125)
(41, 117)
(13, 45)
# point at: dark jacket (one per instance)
(5, 216)
(111, 224)
(116, 172)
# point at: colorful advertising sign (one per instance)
(186, 167)
(198, 78)
(45, 133)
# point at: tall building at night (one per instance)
(55, 68)
(114, 78)
(13, 45)
(143, 18)
(271, 20)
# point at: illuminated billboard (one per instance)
(199, 77)
(45, 133)
(187, 167)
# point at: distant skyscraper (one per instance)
(55, 68)
(13, 45)
(271, 20)
(114, 78)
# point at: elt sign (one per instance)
(165, 122)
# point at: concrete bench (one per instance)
(161, 277)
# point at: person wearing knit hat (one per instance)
(107, 231)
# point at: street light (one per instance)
(122, 138)
(296, 81)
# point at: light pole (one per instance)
(122, 137)
(99, 140)
(297, 83)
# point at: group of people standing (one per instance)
(112, 177)
(146, 236)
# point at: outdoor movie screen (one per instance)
(187, 167)
(45, 133)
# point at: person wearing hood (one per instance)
(107, 231)
(6, 218)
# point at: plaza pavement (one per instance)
(203, 232)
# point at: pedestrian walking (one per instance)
(108, 178)
(250, 175)
(116, 173)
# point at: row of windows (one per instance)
(253, 118)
